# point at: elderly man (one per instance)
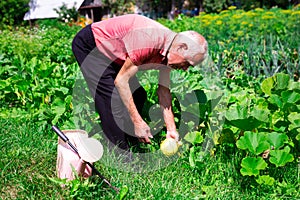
(111, 52)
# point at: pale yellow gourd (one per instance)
(169, 146)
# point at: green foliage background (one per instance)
(247, 91)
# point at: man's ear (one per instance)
(182, 47)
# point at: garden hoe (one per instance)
(84, 155)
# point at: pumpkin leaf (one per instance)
(267, 85)
(290, 97)
(254, 142)
(294, 118)
(265, 180)
(276, 100)
(194, 137)
(282, 81)
(281, 157)
(277, 140)
(251, 166)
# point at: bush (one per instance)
(12, 12)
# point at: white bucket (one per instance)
(67, 159)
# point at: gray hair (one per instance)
(197, 47)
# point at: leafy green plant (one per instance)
(269, 143)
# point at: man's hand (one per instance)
(142, 131)
(173, 134)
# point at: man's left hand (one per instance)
(173, 134)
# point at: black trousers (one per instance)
(99, 73)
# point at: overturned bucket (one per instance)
(70, 162)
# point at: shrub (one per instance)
(12, 12)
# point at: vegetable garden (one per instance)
(238, 113)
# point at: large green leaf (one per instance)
(251, 166)
(236, 112)
(294, 86)
(276, 100)
(279, 81)
(58, 108)
(298, 136)
(277, 140)
(254, 142)
(260, 114)
(290, 97)
(265, 180)
(237, 115)
(294, 118)
(282, 81)
(267, 85)
(194, 137)
(281, 157)
(240, 117)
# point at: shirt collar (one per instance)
(170, 39)
(168, 43)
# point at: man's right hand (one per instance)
(142, 131)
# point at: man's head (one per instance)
(189, 48)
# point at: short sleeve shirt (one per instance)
(141, 39)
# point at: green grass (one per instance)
(28, 163)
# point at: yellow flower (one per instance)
(237, 16)
(224, 11)
(225, 15)
(231, 7)
(296, 13)
(219, 22)
(251, 14)
(286, 11)
(259, 9)
(244, 23)
(267, 17)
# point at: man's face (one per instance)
(176, 61)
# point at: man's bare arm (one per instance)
(165, 100)
(128, 70)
